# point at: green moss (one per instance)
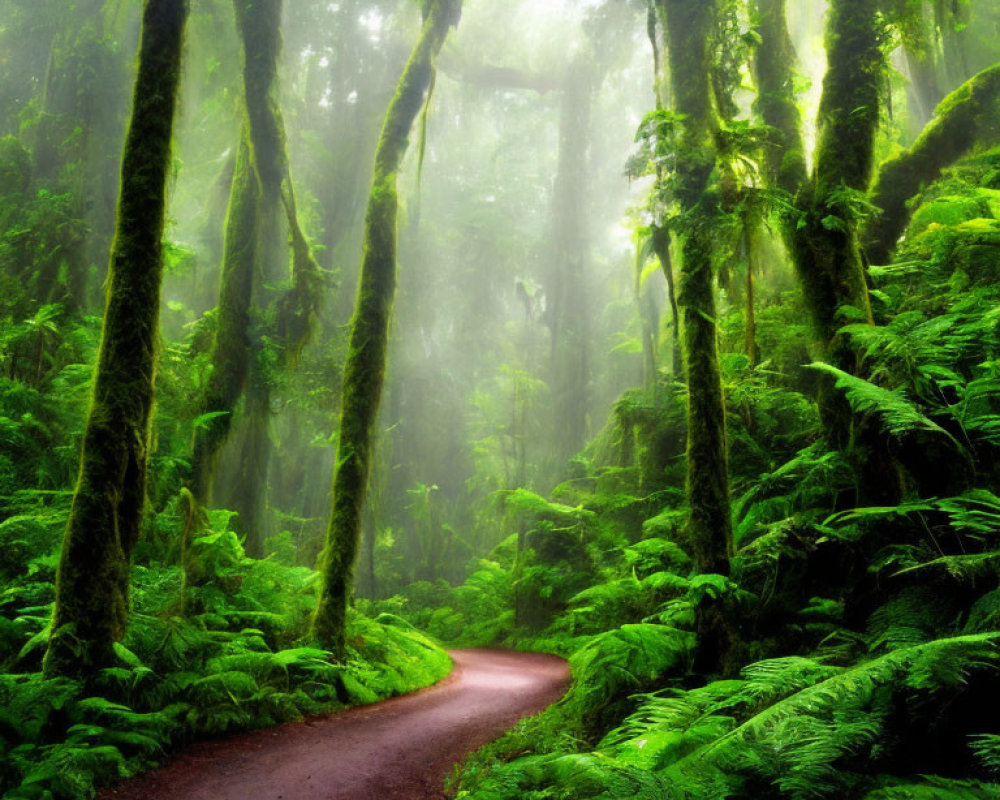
(230, 361)
(825, 244)
(260, 25)
(968, 116)
(365, 368)
(91, 606)
(689, 26)
(774, 67)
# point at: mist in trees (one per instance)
(660, 335)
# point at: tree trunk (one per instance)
(91, 606)
(259, 22)
(261, 188)
(689, 29)
(230, 354)
(365, 367)
(826, 250)
(968, 116)
(661, 246)
(774, 67)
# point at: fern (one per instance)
(898, 415)
(622, 661)
(935, 788)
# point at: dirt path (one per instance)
(400, 749)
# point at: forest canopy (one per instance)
(660, 335)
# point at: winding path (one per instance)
(400, 749)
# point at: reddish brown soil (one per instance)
(400, 749)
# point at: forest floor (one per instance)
(399, 749)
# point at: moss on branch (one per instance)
(967, 117)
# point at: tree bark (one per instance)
(91, 606)
(365, 368)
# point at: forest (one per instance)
(353, 348)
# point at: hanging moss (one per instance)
(261, 191)
(774, 68)
(259, 23)
(91, 605)
(365, 367)
(968, 116)
(230, 360)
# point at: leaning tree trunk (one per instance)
(968, 116)
(365, 367)
(91, 605)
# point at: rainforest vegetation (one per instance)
(659, 335)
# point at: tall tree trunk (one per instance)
(261, 189)
(259, 22)
(91, 606)
(826, 243)
(230, 354)
(774, 67)
(826, 249)
(365, 367)
(689, 31)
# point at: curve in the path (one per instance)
(400, 749)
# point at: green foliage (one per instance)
(235, 659)
(898, 415)
(789, 727)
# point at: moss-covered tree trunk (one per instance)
(230, 354)
(774, 68)
(91, 605)
(826, 248)
(261, 195)
(365, 367)
(690, 27)
(968, 116)
(259, 22)
(660, 236)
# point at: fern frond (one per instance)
(898, 415)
